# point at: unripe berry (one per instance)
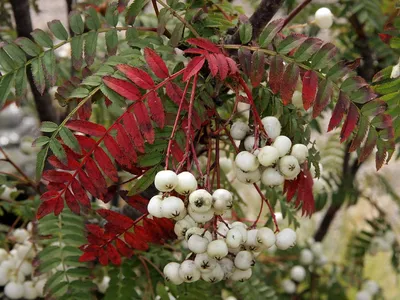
(29, 290)
(306, 257)
(188, 271)
(200, 201)
(268, 156)
(248, 177)
(205, 263)
(217, 249)
(244, 260)
(272, 127)
(246, 161)
(154, 207)
(14, 290)
(197, 244)
(187, 183)
(222, 200)
(234, 238)
(298, 273)
(201, 217)
(289, 167)
(216, 274)
(171, 273)
(324, 18)
(241, 275)
(172, 207)
(181, 227)
(272, 177)
(166, 180)
(283, 144)
(239, 130)
(266, 237)
(251, 242)
(249, 143)
(297, 100)
(227, 266)
(300, 151)
(285, 239)
(289, 286)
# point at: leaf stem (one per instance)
(295, 12)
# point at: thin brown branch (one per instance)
(295, 12)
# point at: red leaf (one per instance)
(369, 145)
(175, 93)
(290, 78)
(113, 255)
(85, 111)
(123, 248)
(53, 186)
(193, 67)
(324, 95)
(86, 127)
(95, 230)
(135, 242)
(223, 67)
(88, 256)
(176, 151)
(205, 44)
(56, 176)
(87, 184)
(71, 202)
(144, 121)
(120, 221)
(257, 68)
(122, 87)
(212, 64)
(156, 63)
(147, 234)
(341, 108)
(96, 176)
(305, 193)
(385, 37)
(133, 131)
(106, 164)
(141, 78)
(125, 143)
(50, 202)
(275, 73)
(310, 84)
(56, 163)
(103, 257)
(156, 109)
(196, 51)
(232, 66)
(80, 193)
(350, 123)
(117, 153)
(137, 202)
(86, 143)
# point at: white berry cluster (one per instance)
(271, 164)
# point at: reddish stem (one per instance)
(295, 12)
(189, 125)
(217, 161)
(196, 160)
(208, 182)
(269, 207)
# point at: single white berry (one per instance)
(166, 180)
(266, 237)
(4, 276)
(297, 99)
(306, 257)
(289, 167)
(189, 271)
(8, 195)
(251, 241)
(272, 127)
(200, 201)
(227, 266)
(154, 207)
(324, 18)
(268, 156)
(246, 161)
(371, 286)
(239, 130)
(205, 263)
(248, 177)
(289, 286)
(171, 273)
(226, 164)
(181, 227)
(318, 185)
(283, 144)
(244, 260)
(363, 295)
(39, 286)
(193, 230)
(217, 249)
(300, 151)
(249, 143)
(395, 71)
(298, 273)
(29, 290)
(272, 177)
(103, 285)
(25, 251)
(234, 238)
(3, 255)
(201, 217)
(172, 207)
(25, 267)
(197, 244)
(222, 200)
(285, 239)
(187, 183)
(216, 274)
(316, 248)
(14, 290)
(241, 275)
(242, 229)
(20, 235)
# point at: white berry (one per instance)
(268, 156)
(248, 177)
(266, 237)
(234, 238)
(4, 276)
(188, 271)
(29, 290)
(239, 130)
(241, 275)
(216, 274)
(272, 177)
(246, 161)
(289, 167)
(200, 201)
(187, 183)
(227, 266)
(201, 217)
(171, 273)
(39, 286)
(181, 227)
(306, 257)
(272, 127)
(363, 295)
(166, 180)
(285, 239)
(244, 260)
(249, 143)
(242, 229)
(222, 200)
(324, 18)
(283, 144)
(297, 99)
(251, 242)
(20, 235)
(193, 230)
(154, 207)
(371, 286)
(205, 263)
(289, 286)
(298, 273)
(300, 151)
(197, 244)
(172, 207)
(217, 249)
(14, 290)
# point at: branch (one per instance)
(260, 18)
(295, 12)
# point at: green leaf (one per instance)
(145, 181)
(113, 96)
(79, 92)
(133, 10)
(163, 17)
(6, 61)
(48, 126)
(324, 56)
(92, 80)
(395, 42)
(28, 46)
(289, 43)
(112, 41)
(17, 55)
(20, 82)
(42, 38)
(176, 35)
(132, 36)
(245, 32)
(50, 66)
(76, 23)
(90, 47)
(269, 32)
(70, 140)
(41, 141)
(112, 14)
(77, 51)
(92, 19)
(307, 49)
(150, 159)
(58, 150)
(53, 281)
(49, 264)
(162, 292)
(60, 289)
(6, 82)
(58, 29)
(40, 161)
(38, 74)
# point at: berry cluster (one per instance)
(219, 250)
(267, 160)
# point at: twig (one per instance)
(295, 12)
